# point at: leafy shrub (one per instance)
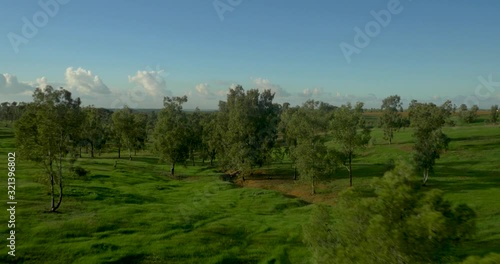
(397, 223)
(79, 172)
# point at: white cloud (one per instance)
(312, 92)
(41, 82)
(84, 82)
(10, 85)
(222, 92)
(265, 84)
(151, 81)
(202, 89)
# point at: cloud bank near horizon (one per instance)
(149, 88)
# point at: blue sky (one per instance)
(112, 53)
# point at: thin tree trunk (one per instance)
(426, 176)
(91, 149)
(350, 170)
(212, 157)
(119, 152)
(80, 151)
(51, 183)
(54, 208)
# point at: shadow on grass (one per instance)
(487, 145)
(479, 248)
(148, 160)
(104, 193)
(206, 168)
(367, 170)
(7, 136)
(474, 138)
(448, 172)
(131, 259)
(99, 177)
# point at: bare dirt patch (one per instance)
(290, 187)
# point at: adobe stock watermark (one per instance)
(223, 6)
(372, 29)
(30, 27)
(484, 90)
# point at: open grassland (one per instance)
(135, 214)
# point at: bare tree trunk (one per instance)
(350, 170)
(172, 169)
(51, 184)
(212, 157)
(92, 149)
(426, 176)
(54, 208)
(119, 152)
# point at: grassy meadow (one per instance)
(134, 213)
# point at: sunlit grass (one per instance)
(135, 213)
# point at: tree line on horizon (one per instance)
(248, 131)
(391, 221)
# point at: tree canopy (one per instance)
(251, 131)
(171, 135)
(391, 119)
(392, 221)
(350, 133)
(46, 131)
(427, 119)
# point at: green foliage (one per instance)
(171, 136)
(392, 221)
(391, 119)
(427, 119)
(195, 131)
(304, 129)
(79, 172)
(468, 115)
(11, 111)
(96, 128)
(130, 129)
(211, 137)
(96, 226)
(249, 129)
(494, 114)
(46, 131)
(350, 132)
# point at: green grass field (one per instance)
(135, 214)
